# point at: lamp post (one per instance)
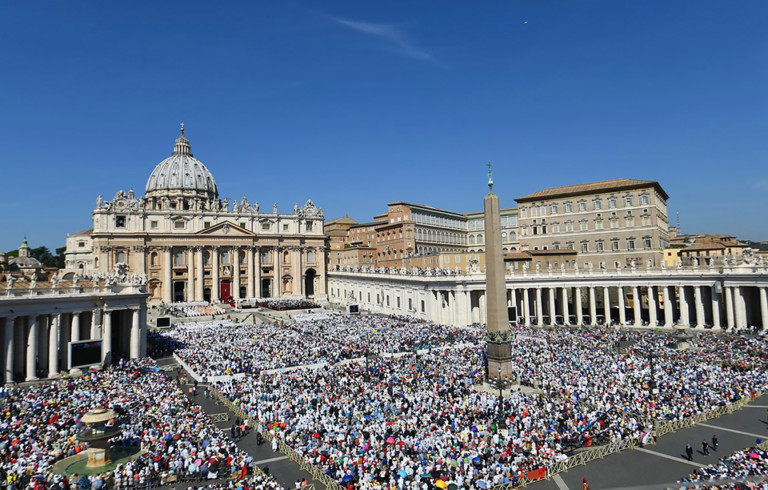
(500, 385)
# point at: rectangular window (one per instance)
(585, 247)
(644, 200)
(627, 201)
(553, 209)
(206, 224)
(410, 304)
(308, 225)
(568, 207)
(153, 225)
(599, 224)
(285, 226)
(119, 221)
(582, 206)
(615, 246)
(81, 244)
(647, 242)
(583, 226)
(265, 226)
(612, 203)
(599, 246)
(387, 300)
(630, 244)
(598, 204)
(569, 226)
(398, 301)
(423, 308)
(180, 224)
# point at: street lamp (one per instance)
(500, 385)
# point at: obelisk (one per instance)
(498, 335)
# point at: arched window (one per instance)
(120, 257)
(153, 258)
(471, 239)
(178, 257)
(310, 257)
(224, 257)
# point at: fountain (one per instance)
(100, 427)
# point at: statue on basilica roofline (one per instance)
(256, 207)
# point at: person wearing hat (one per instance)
(584, 484)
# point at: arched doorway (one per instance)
(309, 282)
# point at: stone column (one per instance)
(190, 292)
(8, 349)
(729, 317)
(299, 287)
(54, 328)
(564, 308)
(236, 272)
(482, 302)
(250, 256)
(466, 304)
(74, 328)
(256, 277)
(740, 307)
(32, 348)
(167, 275)
(685, 318)
(622, 305)
(526, 308)
(652, 311)
(135, 334)
(636, 306)
(200, 273)
(95, 325)
(592, 306)
(139, 259)
(763, 306)
(277, 286)
(715, 308)
(215, 286)
(577, 305)
(539, 308)
(106, 344)
(143, 330)
(552, 306)
(668, 319)
(607, 304)
(321, 278)
(700, 318)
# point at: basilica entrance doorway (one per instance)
(266, 288)
(309, 282)
(226, 290)
(179, 288)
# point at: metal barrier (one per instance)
(219, 417)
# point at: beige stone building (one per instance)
(193, 246)
(611, 224)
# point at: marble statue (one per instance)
(99, 201)
(274, 208)
(256, 207)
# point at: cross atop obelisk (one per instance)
(498, 335)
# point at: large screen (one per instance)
(84, 353)
(353, 309)
(163, 321)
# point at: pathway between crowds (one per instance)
(656, 466)
(284, 470)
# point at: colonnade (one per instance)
(655, 299)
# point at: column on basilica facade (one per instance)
(320, 254)
(32, 346)
(740, 307)
(95, 325)
(200, 284)
(236, 272)
(607, 305)
(143, 330)
(256, 277)
(54, 330)
(167, 275)
(8, 337)
(466, 307)
(539, 308)
(277, 286)
(215, 287)
(190, 291)
(74, 327)
(577, 305)
(652, 310)
(592, 306)
(763, 306)
(299, 276)
(483, 308)
(700, 318)
(250, 257)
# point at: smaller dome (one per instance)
(181, 171)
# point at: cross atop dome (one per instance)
(182, 146)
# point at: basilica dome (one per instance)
(181, 172)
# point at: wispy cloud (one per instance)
(388, 32)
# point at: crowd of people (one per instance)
(747, 468)
(40, 425)
(284, 304)
(218, 348)
(403, 420)
(192, 309)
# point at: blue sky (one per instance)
(356, 104)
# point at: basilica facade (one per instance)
(193, 246)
